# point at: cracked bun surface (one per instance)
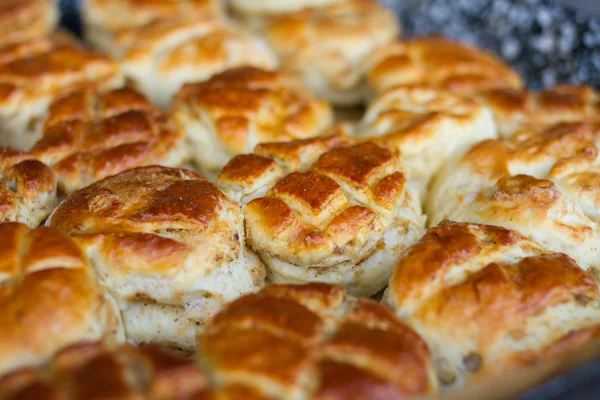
(167, 244)
(325, 209)
(234, 111)
(326, 46)
(27, 193)
(487, 300)
(427, 126)
(438, 63)
(545, 186)
(88, 136)
(162, 56)
(49, 297)
(34, 73)
(23, 20)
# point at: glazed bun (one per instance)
(438, 63)
(488, 300)
(326, 210)
(49, 297)
(88, 136)
(23, 20)
(167, 244)
(236, 110)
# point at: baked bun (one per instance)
(89, 136)
(103, 20)
(96, 371)
(23, 20)
(325, 210)
(427, 126)
(258, 8)
(314, 342)
(34, 73)
(236, 110)
(439, 63)
(545, 186)
(167, 244)
(49, 297)
(27, 192)
(161, 56)
(516, 110)
(488, 300)
(326, 46)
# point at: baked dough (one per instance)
(23, 20)
(249, 8)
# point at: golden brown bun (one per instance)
(427, 126)
(516, 110)
(314, 342)
(49, 297)
(96, 371)
(325, 210)
(249, 8)
(167, 244)
(88, 136)
(487, 300)
(23, 20)
(439, 63)
(544, 185)
(236, 110)
(34, 73)
(326, 46)
(27, 192)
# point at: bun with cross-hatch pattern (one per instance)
(488, 300)
(23, 20)
(49, 297)
(328, 209)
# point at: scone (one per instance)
(89, 135)
(487, 300)
(95, 370)
(545, 186)
(236, 110)
(325, 210)
(438, 63)
(162, 56)
(326, 46)
(23, 20)
(516, 110)
(27, 192)
(103, 20)
(49, 297)
(313, 342)
(34, 73)
(427, 126)
(167, 244)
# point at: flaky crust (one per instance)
(545, 185)
(326, 46)
(427, 126)
(236, 110)
(314, 342)
(488, 300)
(325, 210)
(167, 244)
(23, 20)
(49, 297)
(88, 136)
(517, 110)
(439, 63)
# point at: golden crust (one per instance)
(318, 209)
(247, 8)
(49, 297)
(167, 244)
(236, 110)
(326, 46)
(268, 342)
(439, 63)
(487, 299)
(89, 136)
(23, 20)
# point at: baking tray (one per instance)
(548, 43)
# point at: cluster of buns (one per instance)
(252, 266)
